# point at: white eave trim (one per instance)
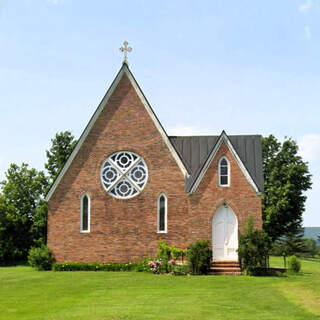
(96, 115)
(224, 138)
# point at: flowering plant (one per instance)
(154, 265)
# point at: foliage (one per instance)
(180, 269)
(9, 251)
(164, 251)
(168, 253)
(310, 247)
(254, 247)
(40, 258)
(62, 146)
(147, 265)
(286, 178)
(199, 256)
(39, 226)
(163, 257)
(294, 264)
(295, 244)
(176, 252)
(95, 266)
(22, 212)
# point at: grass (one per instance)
(28, 294)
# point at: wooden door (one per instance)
(224, 234)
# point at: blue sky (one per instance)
(246, 67)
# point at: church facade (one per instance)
(127, 185)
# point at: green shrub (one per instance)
(180, 269)
(164, 251)
(199, 256)
(294, 264)
(254, 247)
(142, 266)
(95, 266)
(163, 256)
(176, 252)
(40, 258)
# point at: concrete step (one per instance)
(229, 273)
(227, 269)
(225, 265)
(224, 262)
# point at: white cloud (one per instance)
(307, 32)
(305, 6)
(309, 147)
(181, 130)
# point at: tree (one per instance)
(292, 243)
(286, 178)
(62, 146)
(311, 246)
(8, 252)
(22, 216)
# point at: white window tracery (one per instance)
(124, 174)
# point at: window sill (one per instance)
(84, 231)
(162, 231)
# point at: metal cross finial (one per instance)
(125, 49)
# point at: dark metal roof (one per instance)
(194, 151)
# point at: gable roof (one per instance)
(123, 71)
(197, 153)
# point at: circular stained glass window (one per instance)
(124, 174)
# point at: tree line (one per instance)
(23, 210)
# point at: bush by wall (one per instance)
(254, 247)
(180, 269)
(95, 266)
(40, 258)
(199, 257)
(165, 255)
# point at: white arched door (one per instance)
(224, 234)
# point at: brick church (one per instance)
(127, 185)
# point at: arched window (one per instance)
(85, 213)
(162, 213)
(224, 172)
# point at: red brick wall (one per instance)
(126, 230)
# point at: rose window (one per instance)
(124, 174)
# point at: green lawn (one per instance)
(28, 294)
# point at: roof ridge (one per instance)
(215, 135)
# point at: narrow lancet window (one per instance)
(85, 213)
(224, 172)
(162, 214)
